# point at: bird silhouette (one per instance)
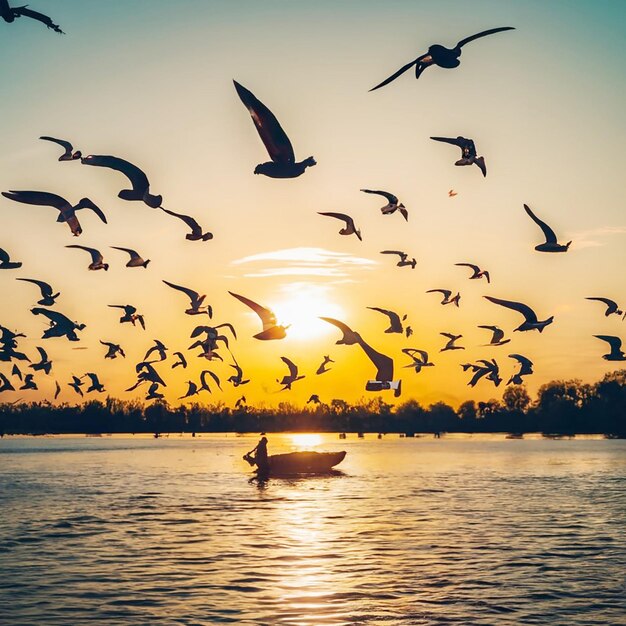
(349, 229)
(196, 233)
(418, 362)
(277, 144)
(69, 154)
(271, 330)
(44, 364)
(181, 361)
(76, 385)
(195, 298)
(130, 314)
(530, 318)
(290, 378)
(113, 350)
(393, 204)
(160, 348)
(6, 384)
(6, 263)
(9, 14)
(404, 258)
(395, 322)
(451, 342)
(48, 297)
(135, 259)
(469, 156)
(97, 261)
(447, 296)
(477, 272)
(322, 369)
(525, 369)
(551, 244)
(439, 55)
(314, 398)
(95, 385)
(616, 353)
(60, 325)
(611, 307)
(497, 337)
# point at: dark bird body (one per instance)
(476, 271)
(551, 244)
(616, 353)
(130, 314)
(395, 323)
(135, 259)
(44, 364)
(9, 14)
(97, 261)
(60, 325)
(611, 307)
(271, 330)
(530, 317)
(196, 233)
(6, 263)
(322, 369)
(195, 299)
(526, 368)
(451, 342)
(69, 154)
(113, 350)
(469, 156)
(393, 204)
(349, 229)
(48, 297)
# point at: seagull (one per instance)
(44, 364)
(237, 378)
(8, 14)
(130, 314)
(419, 361)
(209, 343)
(283, 163)
(315, 399)
(241, 402)
(96, 385)
(447, 299)
(393, 204)
(76, 385)
(290, 378)
(526, 368)
(139, 181)
(113, 350)
(48, 297)
(530, 322)
(57, 389)
(69, 154)
(489, 369)
(60, 325)
(158, 347)
(452, 193)
(349, 229)
(195, 298)
(182, 361)
(440, 55)
(153, 392)
(6, 384)
(478, 273)
(395, 323)
(135, 258)
(147, 373)
(67, 212)
(611, 307)
(616, 353)
(408, 331)
(6, 263)
(271, 330)
(196, 233)
(15, 371)
(469, 155)
(403, 262)
(204, 386)
(497, 336)
(97, 262)
(450, 345)
(322, 369)
(192, 390)
(551, 244)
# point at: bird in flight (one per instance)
(469, 156)
(451, 342)
(393, 204)
(47, 297)
(616, 353)
(477, 272)
(530, 317)
(67, 212)
(60, 325)
(447, 296)
(349, 229)
(314, 398)
(526, 368)
(8, 14)
(96, 385)
(97, 261)
(113, 350)
(160, 348)
(404, 258)
(181, 361)
(551, 244)
(440, 55)
(6, 263)
(135, 259)
(196, 300)
(196, 233)
(139, 181)
(452, 193)
(44, 364)
(290, 378)
(271, 330)
(497, 337)
(283, 163)
(611, 307)
(69, 154)
(418, 361)
(130, 314)
(322, 369)
(395, 322)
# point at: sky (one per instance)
(150, 81)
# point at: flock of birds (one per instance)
(214, 341)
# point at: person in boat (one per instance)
(260, 457)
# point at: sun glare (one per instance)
(306, 440)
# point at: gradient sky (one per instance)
(150, 81)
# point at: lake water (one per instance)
(462, 530)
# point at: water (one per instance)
(462, 530)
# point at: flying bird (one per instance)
(97, 261)
(418, 361)
(404, 258)
(486, 368)
(551, 244)
(153, 392)
(271, 330)
(182, 361)
(139, 181)
(57, 389)
(469, 156)
(611, 307)
(526, 368)
(204, 385)
(67, 212)
(130, 314)
(160, 348)
(29, 383)
(47, 297)
(76, 385)
(447, 299)
(6, 263)
(290, 378)
(196, 233)
(530, 318)
(6, 384)
(439, 55)
(349, 229)
(60, 325)
(395, 323)
(44, 364)
(135, 258)
(192, 390)
(237, 378)
(349, 337)
(451, 342)
(69, 154)
(452, 193)
(322, 369)
(9, 14)
(497, 337)
(283, 163)
(96, 385)
(477, 272)
(616, 353)
(113, 350)
(314, 398)
(196, 300)
(16, 371)
(393, 204)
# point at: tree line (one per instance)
(562, 407)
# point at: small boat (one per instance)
(301, 462)
(515, 436)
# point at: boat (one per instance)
(294, 463)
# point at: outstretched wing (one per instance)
(349, 336)
(96, 257)
(192, 295)
(484, 33)
(614, 342)
(40, 17)
(136, 176)
(524, 309)
(547, 231)
(388, 196)
(190, 221)
(40, 198)
(267, 316)
(53, 316)
(401, 71)
(293, 368)
(471, 265)
(460, 142)
(271, 132)
(45, 288)
(340, 216)
(66, 145)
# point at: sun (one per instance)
(306, 440)
(301, 309)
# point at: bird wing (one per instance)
(271, 132)
(6, 258)
(40, 198)
(524, 309)
(388, 196)
(446, 293)
(484, 33)
(136, 176)
(547, 231)
(524, 361)
(133, 253)
(40, 17)
(614, 342)
(401, 71)
(267, 316)
(340, 216)
(46, 289)
(61, 142)
(349, 336)
(401, 254)
(43, 354)
(212, 375)
(474, 267)
(451, 336)
(86, 203)
(193, 295)
(96, 257)
(383, 363)
(53, 316)
(394, 318)
(293, 368)
(190, 221)
(460, 142)
(612, 305)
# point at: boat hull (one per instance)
(303, 463)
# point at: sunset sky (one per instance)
(150, 81)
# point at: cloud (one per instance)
(306, 262)
(593, 237)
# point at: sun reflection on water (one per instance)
(306, 440)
